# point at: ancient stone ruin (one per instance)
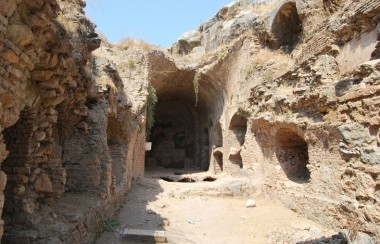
(284, 92)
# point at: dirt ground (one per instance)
(209, 212)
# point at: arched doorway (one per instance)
(287, 27)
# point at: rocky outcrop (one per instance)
(229, 23)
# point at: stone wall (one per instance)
(313, 135)
(303, 125)
(38, 69)
(60, 110)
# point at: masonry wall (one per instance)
(312, 137)
(54, 115)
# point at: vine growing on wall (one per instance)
(151, 104)
(196, 80)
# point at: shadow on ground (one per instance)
(135, 213)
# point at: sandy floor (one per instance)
(209, 212)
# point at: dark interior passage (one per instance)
(173, 138)
(292, 154)
(287, 27)
(189, 104)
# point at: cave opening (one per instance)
(182, 134)
(292, 154)
(287, 27)
(173, 138)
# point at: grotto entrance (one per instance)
(185, 119)
(287, 27)
(173, 138)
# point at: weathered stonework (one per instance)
(269, 92)
(55, 115)
(304, 126)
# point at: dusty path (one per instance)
(209, 212)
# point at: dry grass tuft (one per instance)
(136, 43)
(268, 63)
(262, 8)
(265, 55)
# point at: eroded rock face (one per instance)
(309, 122)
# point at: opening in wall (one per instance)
(218, 157)
(287, 27)
(237, 160)
(292, 154)
(238, 125)
(174, 135)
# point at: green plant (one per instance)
(196, 80)
(111, 224)
(151, 104)
(221, 55)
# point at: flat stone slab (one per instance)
(145, 236)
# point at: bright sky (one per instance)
(159, 22)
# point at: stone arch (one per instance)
(287, 27)
(292, 154)
(187, 102)
(238, 126)
(236, 139)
